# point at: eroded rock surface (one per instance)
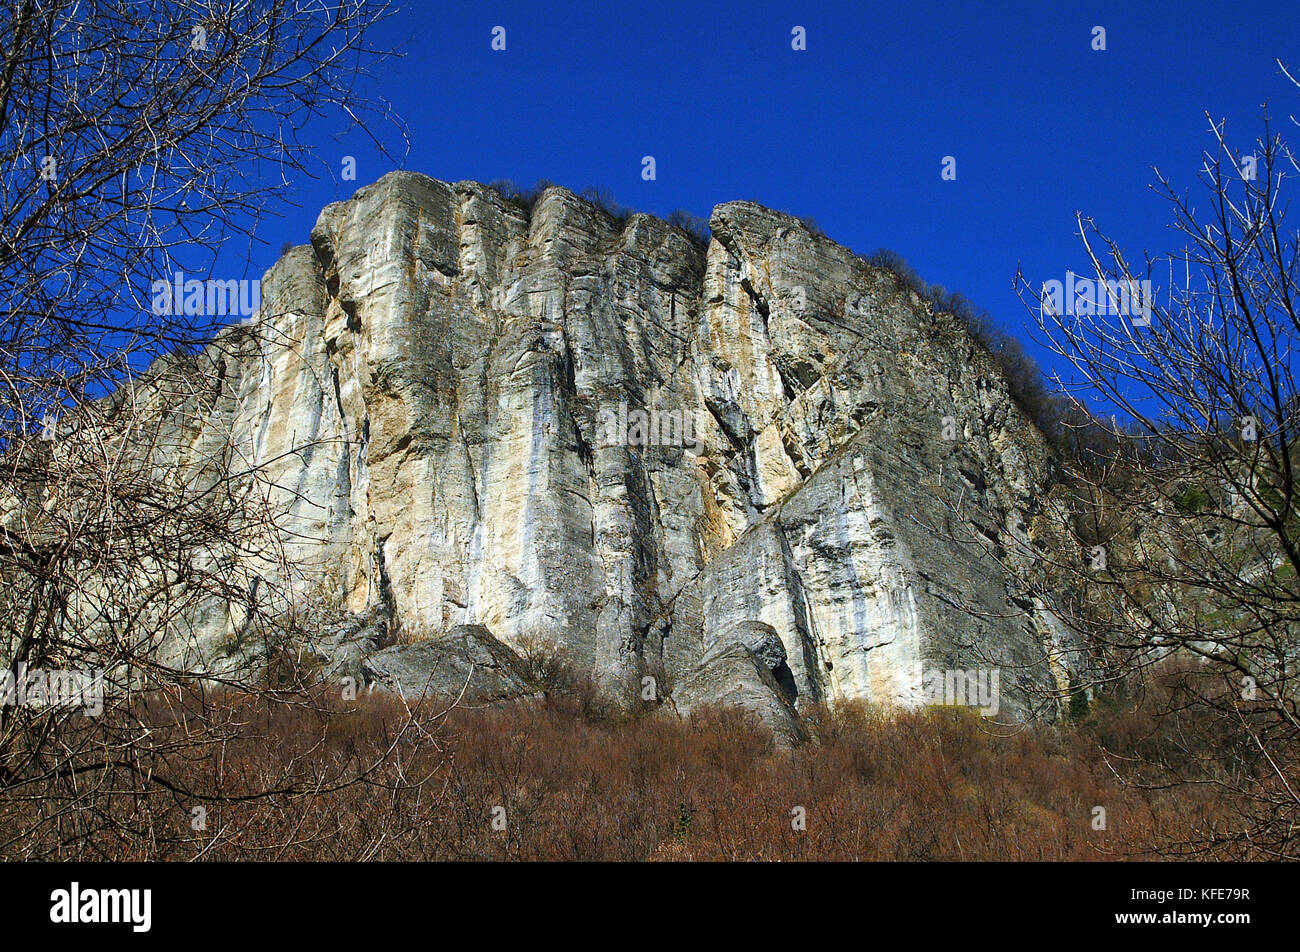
(439, 388)
(465, 663)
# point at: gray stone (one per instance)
(731, 675)
(465, 662)
(763, 642)
(444, 434)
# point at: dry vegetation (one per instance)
(374, 779)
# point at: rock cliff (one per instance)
(761, 471)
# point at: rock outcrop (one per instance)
(464, 662)
(761, 471)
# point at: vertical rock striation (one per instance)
(439, 387)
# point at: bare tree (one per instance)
(135, 139)
(1180, 516)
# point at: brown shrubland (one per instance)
(316, 778)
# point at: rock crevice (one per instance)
(455, 365)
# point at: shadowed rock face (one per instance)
(457, 427)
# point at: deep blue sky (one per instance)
(850, 131)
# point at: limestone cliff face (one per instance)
(814, 506)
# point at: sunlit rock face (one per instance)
(759, 472)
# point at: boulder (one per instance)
(465, 662)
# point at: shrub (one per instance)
(877, 785)
(522, 198)
(1192, 499)
(546, 665)
(525, 199)
(603, 199)
(1078, 709)
(1023, 375)
(811, 224)
(552, 669)
(696, 228)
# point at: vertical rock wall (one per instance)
(431, 384)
